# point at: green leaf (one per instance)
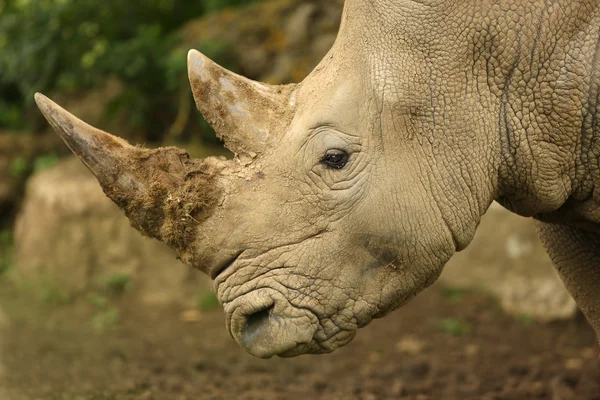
(55, 46)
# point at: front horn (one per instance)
(163, 192)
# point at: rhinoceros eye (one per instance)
(335, 159)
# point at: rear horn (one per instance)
(247, 115)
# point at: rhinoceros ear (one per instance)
(247, 115)
(162, 191)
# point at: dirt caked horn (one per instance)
(247, 115)
(163, 191)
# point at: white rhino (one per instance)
(351, 190)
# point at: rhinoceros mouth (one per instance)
(224, 265)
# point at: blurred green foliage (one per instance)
(98, 300)
(455, 327)
(19, 167)
(5, 263)
(455, 294)
(214, 5)
(51, 293)
(6, 240)
(525, 318)
(71, 46)
(207, 301)
(106, 316)
(106, 320)
(45, 161)
(118, 283)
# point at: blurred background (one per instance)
(89, 309)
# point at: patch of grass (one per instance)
(53, 295)
(19, 167)
(215, 5)
(207, 301)
(98, 300)
(5, 263)
(455, 327)
(525, 318)
(45, 162)
(106, 317)
(94, 397)
(118, 283)
(6, 239)
(455, 294)
(106, 320)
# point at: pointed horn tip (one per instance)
(43, 102)
(195, 61)
(39, 98)
(60, 119)
(53, 113)
(193, 54)
(71, 128)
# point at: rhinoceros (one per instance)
(349, 191)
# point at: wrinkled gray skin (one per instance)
(443, 106)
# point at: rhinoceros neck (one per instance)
(542, 65)
(509, 88)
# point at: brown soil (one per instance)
(444, 345)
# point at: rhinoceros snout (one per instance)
(265, 324)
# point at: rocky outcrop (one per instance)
(17, 154)
(274, 41)
(4, 326)
(507, 260)
(71, 236)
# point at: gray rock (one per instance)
(4, 324)
(70, 235)
(298, 24)
(17, 153)
(507, 259)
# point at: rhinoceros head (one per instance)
(336, 209)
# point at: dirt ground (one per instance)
(446, 344)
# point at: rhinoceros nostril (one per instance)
(255, 324)
(265, 324)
